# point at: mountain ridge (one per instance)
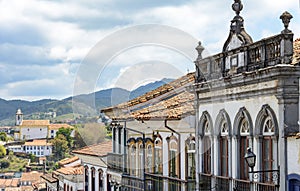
(84, 104)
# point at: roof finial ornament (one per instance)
(286, 18)
(237, 6)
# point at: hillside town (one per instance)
(232, 124)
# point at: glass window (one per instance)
(191, 164)
(173, 159)
(158, 156)
(149, 160)
(132, 159)
(206, 155)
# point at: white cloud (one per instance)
(44, 34)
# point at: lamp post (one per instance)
(250, 158)
(266, 175)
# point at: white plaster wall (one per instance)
(253, 105)
(33, 132)
(293, 155)
(38, 150)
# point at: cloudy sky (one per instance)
(46, 45)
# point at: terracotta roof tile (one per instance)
(35, 123)
(296, 56)
(190, 77)
(58, 126)
(31, 176)
(38, 142)
(71, 170)
(100, 149)
(68, 161)
(49, 178)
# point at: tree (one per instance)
(66, 132)
(3, 136)
(2, 151)
(92, 133)
(60, 146)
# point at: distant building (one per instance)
(36, 129)
(68, 177)
(38, 148)
(94, 161)
(10, 184)
(28, 179)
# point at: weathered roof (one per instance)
(173, 108)
(296, 55)
(68, 160)
(35, 123)
(38, 142)
(58, 126)
(32, 177)
(71, 170)
(100, 149)
(49, 178)
(14, 182)
(190, 77)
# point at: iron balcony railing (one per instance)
(115, 161)
(222, 183)
(243, 185)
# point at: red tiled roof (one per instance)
(37, 142)
(31, 176)
(68, 161)
(100, 149)
(190, 77)
(14, 182)
(58, 126)
(71, 170)
(35, 123)
(296, 55)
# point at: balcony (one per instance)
(222, 183)
(270, 51)
(115, 161)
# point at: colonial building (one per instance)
(154, 140)
(38, 147)
(94, 161)
(36, 129)
(194, 133)
(248, 96)
(69, 177)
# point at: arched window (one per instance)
(190, 158)
(132, 154)
(244, 144)
(223, 131)
(267, 146)
(140, 159)
(65, 187)
(149, 157)
(158, 155)
(100, 178)
(93, 178)
(243, 131)
(173, 157)
(206, 143)
(267, 126)
(86, 178)
(224, 148)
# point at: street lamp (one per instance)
(266, 175)
(250, 158)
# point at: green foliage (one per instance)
(92, 133)
(3, 136)
(4, 164)
(32, 157)
(2, 151)
(60, 146)
(66, 132)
